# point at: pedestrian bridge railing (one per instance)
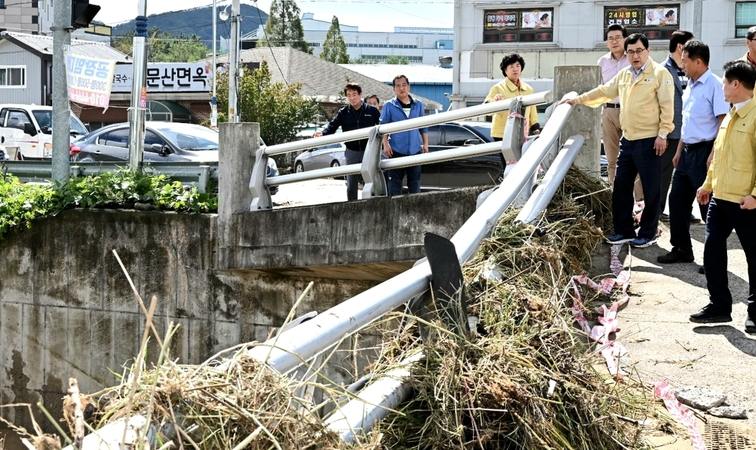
(373, 166)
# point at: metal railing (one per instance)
(189, 173)
(372, 166)
(386, 393)
(296, 345)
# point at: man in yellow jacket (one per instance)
(646, 91)
(730, 189)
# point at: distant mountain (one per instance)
(199, 22)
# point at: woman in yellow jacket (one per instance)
(511, 86)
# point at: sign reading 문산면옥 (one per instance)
(167, 77)
(89, 80)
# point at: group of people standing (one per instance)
(678, 122)
(360, 114)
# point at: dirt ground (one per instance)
(664, 344)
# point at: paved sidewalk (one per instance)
(664, 344)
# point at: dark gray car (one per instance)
(163, 141)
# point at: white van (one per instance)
(29, 128)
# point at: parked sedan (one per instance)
(163, 142)
(331, 155)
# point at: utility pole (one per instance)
(61, 135)
(457, 100)
(138, 90)
(214, 98)
(233, 65)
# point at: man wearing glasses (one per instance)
(646, 93)
(611, 63)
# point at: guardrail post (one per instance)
(375, 182)
(260, 194)
(514, 132)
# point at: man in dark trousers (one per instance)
(646, 93)
(673, 63)
(703, 109)
(404, 143)
(357, 114)
(730, 190)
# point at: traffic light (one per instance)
(82, 13)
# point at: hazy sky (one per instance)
(369, 15)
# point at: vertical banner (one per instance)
(89, 80)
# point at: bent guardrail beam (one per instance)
(297, 345)
(386, 393)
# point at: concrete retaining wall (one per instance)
(66, 308)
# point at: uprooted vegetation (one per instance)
(525, 378)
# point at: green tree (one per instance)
(279, 109)
(334, 47)
(284, 27)
(165, 47)
(393, 59)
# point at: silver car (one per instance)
(331, 155)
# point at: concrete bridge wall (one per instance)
(66, 309)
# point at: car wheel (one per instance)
(335, 163)
(298, 167)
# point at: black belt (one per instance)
(702, 144)
(612, 105)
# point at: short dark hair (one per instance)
(615, 27)
(353, 87)
(670, 13)
(634, 38)
(399, 77)
(545, 16)
(509, 60)
(742, 71)
(697, 50)
(751, 33)
(679, 37)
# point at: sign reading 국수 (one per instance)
(167, 77)
(89, 80)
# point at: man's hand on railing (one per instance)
(387, 150)
(569, 101)
(424, 148)
(317, 134)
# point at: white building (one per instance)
(418, 45)
(571, 32)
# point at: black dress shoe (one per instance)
(701, 270)
(711, 314)
(750, 326)
(676, 256)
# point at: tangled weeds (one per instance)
(527, 378)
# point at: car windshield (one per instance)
(483, 131)
(44, 119)
(191, 137)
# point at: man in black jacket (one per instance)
(357, 114)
